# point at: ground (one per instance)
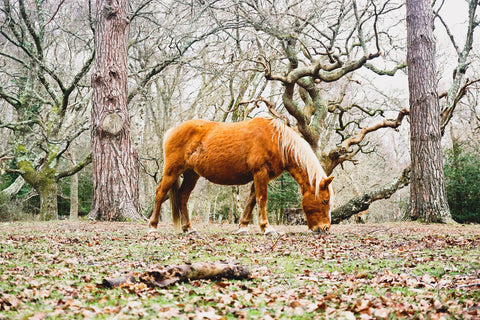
(51, 270)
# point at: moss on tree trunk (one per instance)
(48, 199)
(44, 183)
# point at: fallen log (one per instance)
(181, 273)
(115, 282)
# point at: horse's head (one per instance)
(316, 207)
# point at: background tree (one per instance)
(115, 160)
(44, 102)
(463, 84)
(427, 191)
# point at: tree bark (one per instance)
(48, 199)
(115, 160)
(427, 188)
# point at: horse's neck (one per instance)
(300, 175)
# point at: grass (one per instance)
(51, 271)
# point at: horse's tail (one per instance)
(175, 203)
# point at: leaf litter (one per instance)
(402, 270)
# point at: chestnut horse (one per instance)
(237, 153)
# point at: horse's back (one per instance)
(225, 153)
(186, 133)
(198, 128)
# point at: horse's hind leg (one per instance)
(190, 179)
(166, 184)
(247, 213)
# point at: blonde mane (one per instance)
(292, 143)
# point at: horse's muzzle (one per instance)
(321, 230)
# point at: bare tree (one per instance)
(44, 92)
(460, 83)
(316, 57)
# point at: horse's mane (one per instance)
(292, 143)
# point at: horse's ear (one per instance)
(325, 182)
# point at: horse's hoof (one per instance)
(242, 231)
(192, 232)
(152, 230)
(270, 232)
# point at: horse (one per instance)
(259, 149)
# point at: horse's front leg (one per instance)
(261, 180)
(247, 213)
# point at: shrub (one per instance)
(11, 211)
(85, 194)
(462, 177)
(283, 193)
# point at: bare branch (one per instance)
(447, 113)
(449, 33)
(55, 13)
(79, 166)
(14, 188)
(6, 158)
(391, 72)
(31, 30)
(270, 106)
(363, 202)
(359, 136)
(456, 91)
(73, 85)
(21, 125)
(341, 153)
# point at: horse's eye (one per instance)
(325, 201)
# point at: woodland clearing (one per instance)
(52, 270)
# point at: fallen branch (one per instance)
(115, 282)
(181, 273)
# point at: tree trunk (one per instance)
(73, 190)
(115, 160)
(45, 185)
(427, 188)
(47, 191)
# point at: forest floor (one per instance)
(374, 271)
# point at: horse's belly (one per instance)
(229, 180)
(220, 165)
(224, 173)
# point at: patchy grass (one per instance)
(385, 271)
